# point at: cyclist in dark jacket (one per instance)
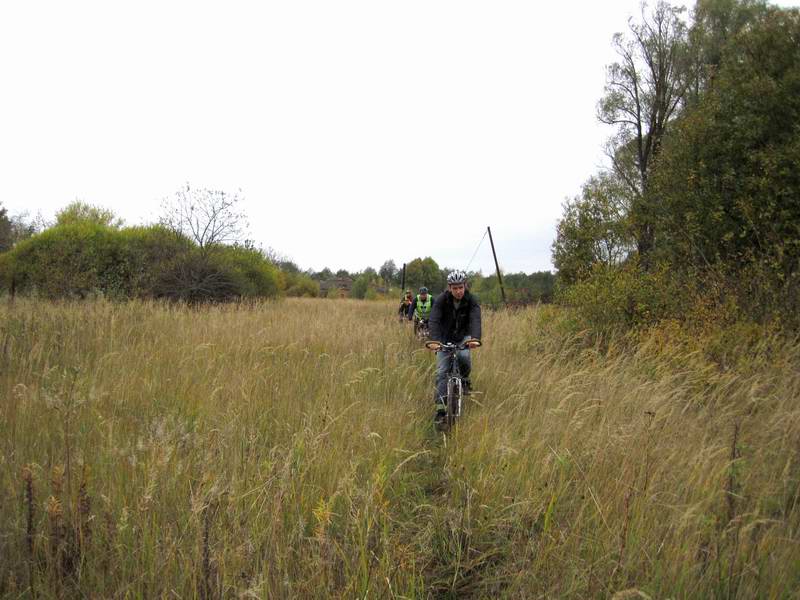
(404, 304)
(455, 318)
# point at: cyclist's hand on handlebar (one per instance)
(473, 344)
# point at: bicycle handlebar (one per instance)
(437, 346)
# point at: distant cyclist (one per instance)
(420, 309)
(455, 317)
(404, 304)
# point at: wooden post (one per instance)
(403, 281)
(496, 266)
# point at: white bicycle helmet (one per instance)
(456, 277)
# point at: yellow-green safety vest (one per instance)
(423, 309)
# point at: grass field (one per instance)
(285, 450)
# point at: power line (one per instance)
(474, 254)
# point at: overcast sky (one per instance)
(356, 131)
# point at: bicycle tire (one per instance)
(454, 400)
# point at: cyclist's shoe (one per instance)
(467, 386)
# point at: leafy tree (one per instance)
(542, 285)
(15, 228)
(23, 226)
(536, 287)
(288, 266)
(360, 286)
(425, 272)
(643, 92)
(593, 229)
(342, 273)
(388, 272)
(82, 212)
(208, 217)
(323, 275)
(729, 175)
(715, 22)
(6, 231)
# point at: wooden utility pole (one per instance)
(403, 281)
(497, 266)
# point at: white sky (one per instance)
(357, 131)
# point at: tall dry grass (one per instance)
(285, 450)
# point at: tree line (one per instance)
(700, 206)
(196, 252)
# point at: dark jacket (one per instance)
(450, 325)
(403, 310)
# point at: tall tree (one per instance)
(730, 176)
(644, 90)
(388, 271)
(715, 22)
(323, 275)
(593, 229)
(424, 272)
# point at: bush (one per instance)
(84, 258)
(218, 274)
(196, 277)
(360, 287)
(300, 285)
(252, 274)
(73, 260)
(615, 298)
(6, 270)
(154, 251)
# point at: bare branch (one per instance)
(208, 217)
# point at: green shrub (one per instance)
(300, 285)
(252, 275)
(154, 251)
(73, 260)
(83, 258)
(217, 274)
(615, 298)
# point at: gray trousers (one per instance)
(443, 367)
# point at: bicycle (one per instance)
(456, 383)
(402, 315)
(421, 329)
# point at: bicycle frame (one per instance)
(454, 403)
(421, 328)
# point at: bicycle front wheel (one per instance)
(454, 400)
